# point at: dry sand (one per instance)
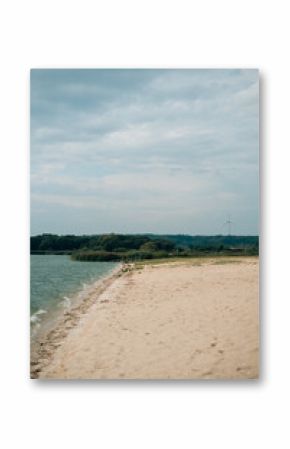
(188, 320)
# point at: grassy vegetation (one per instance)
(226, 261)
(192, 261)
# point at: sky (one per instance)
(137, 151)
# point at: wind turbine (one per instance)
(229, 224)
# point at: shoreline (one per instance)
(69, 300)
(164, 320)
(45, 340)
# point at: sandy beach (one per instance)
(191, 319)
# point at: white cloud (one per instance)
(170, 141)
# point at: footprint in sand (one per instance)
(243, 368)
(207, 373)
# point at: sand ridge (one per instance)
(168, 321)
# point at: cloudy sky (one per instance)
(132, 151)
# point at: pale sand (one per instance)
(192, 320)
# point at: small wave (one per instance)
(41, 312)
(66, 302)
(35, 318)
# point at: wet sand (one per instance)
(193, 319)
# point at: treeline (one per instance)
(115, 247)
(213, 242)
(105, 242)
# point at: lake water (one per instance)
(55, 280)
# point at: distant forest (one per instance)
(132, 247)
